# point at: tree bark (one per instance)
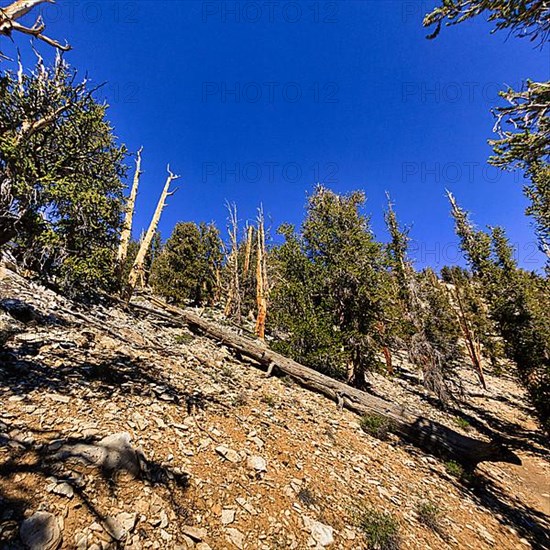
(261, 280)
(10, 14)
(137, 271)
(233, 301)
(422, 432)
(248, 250)
(129, 215)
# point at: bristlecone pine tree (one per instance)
(518, 303)
(327, 300)
(186, 270)
(60, 178)
(523, 123)
(426, 322)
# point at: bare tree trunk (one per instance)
(233, 303)
(137, 272)
(420, 431)
(248, 250)
(10, 14)
(261, 279)
(129, 215)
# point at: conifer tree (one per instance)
(61, 176)
(328, 288)
(518, 303)
(185, 269)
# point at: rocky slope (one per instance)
(123, 432)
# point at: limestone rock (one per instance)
(41, 532)
(322, 534)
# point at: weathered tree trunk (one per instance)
(248, 250)
(233, 301)
(472, 345)
(137, 271)
(129, 215)
(10, 14)
(428, 435)
(261, 279)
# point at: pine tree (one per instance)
(518, 303)
(328, 288)
(185, 269)
(60, 178)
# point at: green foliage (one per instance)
(518, 304)
(454, 468)
(60, 178)
(328, 288)
(524, 17)
(525, 144)
(381, 529)
(523, 124)
(462, 423)
(187, 267)
(429, 513)
(376, 426)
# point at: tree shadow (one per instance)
(71, 468)
(509, 510)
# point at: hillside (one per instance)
(120, 430)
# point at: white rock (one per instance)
(228, 516)
(256, 463)
(321, 533)
(236, 537)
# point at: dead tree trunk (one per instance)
(10, 14)
(129, 215)
(233, 302)
(261, 279)
(426, 434)
(248, 250)
(137, 271)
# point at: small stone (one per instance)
(41, 531)
(120, 525)
(322, 534)
(196, 533)
(256, 463)
(64, 489)
(228, 454)
(228, 516)
(236, 537)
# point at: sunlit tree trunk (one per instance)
(129, 215)
(233, 302)
(261, 279)
(137, 271)
(248, 250)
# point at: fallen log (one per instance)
(422, 432)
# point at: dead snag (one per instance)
(261, 278)
(138, 268)
(129, 215)
(10, 14)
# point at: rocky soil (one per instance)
(118, 431)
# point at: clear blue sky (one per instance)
(349, 93)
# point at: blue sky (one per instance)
(257, 101)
